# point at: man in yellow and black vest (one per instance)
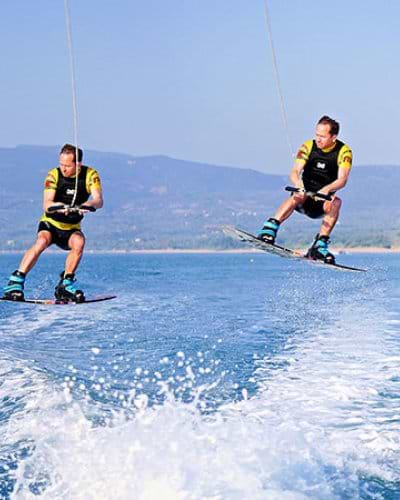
(70, 191)
(322, 165)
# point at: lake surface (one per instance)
(211, 376)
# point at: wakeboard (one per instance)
(287, 253)
(56, 302)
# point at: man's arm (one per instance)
(96, 200)
(295, 174)
(48, 199)
(302, 157)
(345, 161)
(339, 183)
(93, 186)
(50, 187)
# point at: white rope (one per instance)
(74, 105)
(278, 82)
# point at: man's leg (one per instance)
(289, 206)
(76, 243)
(31, 256)
(270, 229)
(332, 210)
(66, 288)
(15, 287)
(319, 249)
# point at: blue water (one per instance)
(211, 376)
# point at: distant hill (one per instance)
(161, 202)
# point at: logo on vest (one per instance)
(321, 165)
(70, 192)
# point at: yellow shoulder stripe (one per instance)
(92, 180)
(51, 180)
(304, 151)
(345, 157)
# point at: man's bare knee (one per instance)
(333, 207)
(337, 202)
(297, 199)
(42, 242)
(77, 243)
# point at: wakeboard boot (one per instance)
(319, 250)
(14, 290)
(66, 289)
(269, 231)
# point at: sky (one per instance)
(194, 79)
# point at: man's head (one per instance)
(326, 132)
(67, 160)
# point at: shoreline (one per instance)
(335, 250)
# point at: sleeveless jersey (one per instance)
(321, 167)
(64, 188)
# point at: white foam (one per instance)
(318, 423)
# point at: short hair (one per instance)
(69, 149)
(334, 125)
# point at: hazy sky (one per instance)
(193, 79)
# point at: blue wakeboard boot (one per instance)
(319, 250)
(66, 290)
(15, 287)
(269, 231)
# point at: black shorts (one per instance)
(58, 236)
(312, 208)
